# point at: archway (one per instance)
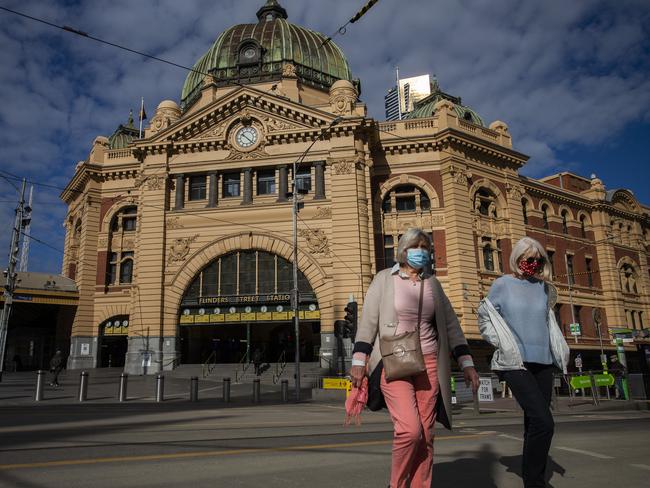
(113, 342)
(240, 302)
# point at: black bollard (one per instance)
(160, 387)
(285, 391)
(124, 378)
(83, 386)
(194, 389)
(226, 390)
(40, 378)
(256, 390)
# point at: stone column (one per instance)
(213, 182)
(319, 168)
(283, 183)
(248, 186)
(180, 192)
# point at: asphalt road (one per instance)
(174, 445)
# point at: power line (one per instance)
(343, 29)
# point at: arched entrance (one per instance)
(113, 342)
(240, 302)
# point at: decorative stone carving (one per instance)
(215, 132)
(343, 96)
(167, 114)
(180, 248)
(316, 239)
(102, 242)
(344, 167)
(288, 70)
(151, 182)
(239, 155)
(128, 244)
(515, 191)
(459, 175)
(323, 213)
(437, 220)
(274, 125)
(174, 223)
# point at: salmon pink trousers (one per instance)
(412, 405)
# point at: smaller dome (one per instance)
(425, 107)
(123, 135)
(342, 84)
(168, 104)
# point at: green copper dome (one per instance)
(425, 107)
(252, 53)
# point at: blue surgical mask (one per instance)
(418, 258)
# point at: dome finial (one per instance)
(271, 10)
(130, 122)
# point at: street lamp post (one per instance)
(295, 295)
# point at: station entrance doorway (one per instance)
(241, 302)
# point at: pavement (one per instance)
(142, 443)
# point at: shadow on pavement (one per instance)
(469, 469)
(513, 465)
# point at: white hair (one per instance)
(527, 247)
(412, 237)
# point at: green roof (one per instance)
(123, 135)
(425, 107)
(317, 62)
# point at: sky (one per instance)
(571, 79)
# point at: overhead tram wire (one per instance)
(343, 29)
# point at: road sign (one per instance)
(581, 381)
(578, 361)
(574, 329)
(485, 390)
(605, 379)
(336, 384)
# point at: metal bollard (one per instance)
(160, 387)
(285, 391)
(256, 390)
(194, 389)
(83, 386)
(40, 378)
(124, 378)
(477, 410)
(226, 390)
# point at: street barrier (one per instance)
(40, 378)
(256, 390)
(194, 389)
(160, 387)
(285, 391)
(124, 378)
(226, 390)
(83, 386)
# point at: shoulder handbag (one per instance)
(402, 353)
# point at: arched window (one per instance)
(524, 209)
(126, 267)
(485, 202)
(545, 215)
(565, 227)
(406, 198)
(125, 220)
(120, 257)
(488, 258)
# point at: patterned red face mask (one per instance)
(531, 266)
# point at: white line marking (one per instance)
(586, 453)
(641, 466)
(511, 437)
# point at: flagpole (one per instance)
(141, 116)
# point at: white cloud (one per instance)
(559, 73)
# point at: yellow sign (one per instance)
(187, 319)
(264, 316)
(201, 319)
(280, 315)
(217, 317)
(248, 316)
(337, 384)
(233, 317)
(311, 314)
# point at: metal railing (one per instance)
(243, 365)
(280, 366)
(209, 364)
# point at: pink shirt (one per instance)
(407, 296)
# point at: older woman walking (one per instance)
(517, 318)
(395, 300)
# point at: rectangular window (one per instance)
(389, 252)
(488, 258)
(551, 257)
(210, 287)
(405, 203)
(197, 187)
(590, 278)
(247, 273)
(266, 270)
(129, 223)
(266, 182)
(285, 276)
(228, 275)
(231, 183)
(111, 275)
(126, 267)
(569, 269)
(303, 180)
(500, 256)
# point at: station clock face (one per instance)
(246, 137)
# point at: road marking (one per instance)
(230, 452)
(586, 453)
(641, 466)
(511, 437)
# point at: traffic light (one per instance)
(351, 316)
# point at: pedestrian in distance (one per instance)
(617, 369)
(517, 318)
(56, 365)
(257, 360)
(404, 298)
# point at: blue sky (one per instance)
(571, 79)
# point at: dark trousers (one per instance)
(55, 375)
(532, 387)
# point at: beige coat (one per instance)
(379, 312)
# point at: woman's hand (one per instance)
(471, 378)
(356, 375)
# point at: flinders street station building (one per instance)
(180, 241)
